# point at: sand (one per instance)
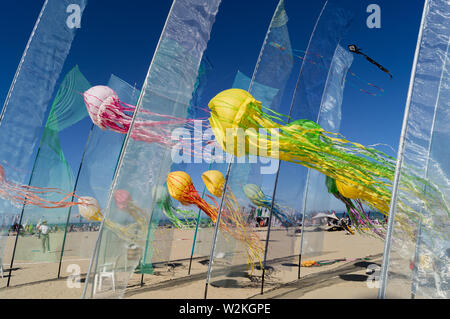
(36, 277)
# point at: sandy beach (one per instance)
(37, 278)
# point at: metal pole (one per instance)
(196, 229)
(305, 195)
(73, 197)
(94, 256)
(15, 245)
(216, 230)
(401, 149)
(269, 227)
(20, 221)
(149, 229)
(416, 261)
(195, 237)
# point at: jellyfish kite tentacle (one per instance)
(124, 201)
(347, 194)
(258, 198)
(31, 195)
(165, 204)
(232, 220)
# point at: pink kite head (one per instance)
(122, 198)
(2, 174)
(100, 100)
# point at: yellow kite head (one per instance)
(231, 110)
(179, 185)
(214, 181)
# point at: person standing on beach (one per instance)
(45, 236)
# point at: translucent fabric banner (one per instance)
(51, 170)
(133, 54)
(329, 118)
(143, 166)
(205, 235)
(239, 251)
(177, 235)
(33, 85)
(416, 257)
(203, 247)
(96, 173)
(39, 68)
(318, 88)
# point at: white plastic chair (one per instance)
(107, 271)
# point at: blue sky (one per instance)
(120, 37)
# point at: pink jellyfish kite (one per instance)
(30, 195)
(108, 112)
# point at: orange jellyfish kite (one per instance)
(182, 189)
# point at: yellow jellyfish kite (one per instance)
(182, 189)
(243, 126)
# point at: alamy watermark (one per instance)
(374, 19)
(74, 19)
(198, 146)
(73, 281)
(373, 280)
